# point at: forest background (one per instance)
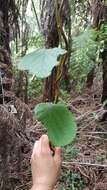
(79, 80)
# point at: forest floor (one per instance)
(85, 161)
(84, 164)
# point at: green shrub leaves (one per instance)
(56, 118)
(41, 62)
(59, 122)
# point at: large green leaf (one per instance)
(59, 122)
(41, 62)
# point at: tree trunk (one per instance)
(5, 61)
(50, 31)
(90, 78)
(66, 74)
(13, 144)
(104, 92)
(22, 81)
(53, 32)
(96, 14)
(50, 88)
(99, 11)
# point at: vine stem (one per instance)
(62, 37)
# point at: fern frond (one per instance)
(84, 51)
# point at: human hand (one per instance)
(45, 167)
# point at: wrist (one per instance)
(41, 187)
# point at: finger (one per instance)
(35, 149)
(45, 148)
(57, 155)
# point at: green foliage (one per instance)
(102, 41)
(59, 122)
(71, 180)
(56, 118)
(36, 41)
(100, 157)
(70, 152)
(84, 54)
(64, 95)
(41, 62)
(34, 88)
(104, 2)
(103, 36)
(105, 103)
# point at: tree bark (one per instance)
(90, 78)
(50, 31)
(53, 32)
(5, 61)
(10, 150)
(96, 14)
(104, 92)
(99, 12)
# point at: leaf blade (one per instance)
(59, 122)
(41, 62)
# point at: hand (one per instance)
(45, 167)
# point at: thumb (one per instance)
(57, 155)
(45, 144)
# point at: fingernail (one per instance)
(44, 137)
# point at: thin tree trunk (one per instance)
(66, 74)
(96, 9)
(54, 17)
(104, 92)
(22, 81)
(50, 30)
(100, 17)
(90, 78)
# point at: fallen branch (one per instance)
(96, 132)
(84, 164)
